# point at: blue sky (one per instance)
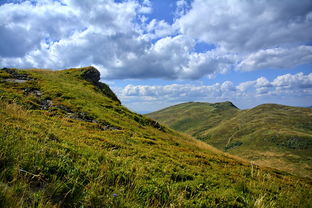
(156, 53)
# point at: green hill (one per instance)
(194, 118)
(272, 135)
(66, 141)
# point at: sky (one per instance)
(157, 53)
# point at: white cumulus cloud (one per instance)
(249, 25)
(276, 58)
(298, 85)
(120, 39)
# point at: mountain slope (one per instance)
(273, 135)
(66, 141)
(193, 117)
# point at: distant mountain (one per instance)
(270, 134)
(66, 141)
(195, 117)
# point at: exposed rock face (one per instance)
(92, 75)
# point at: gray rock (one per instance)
(46, 104)
(34, 91)
(92, 75)
(16, 76)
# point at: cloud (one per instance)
(183, 6)
(276, 58)
(244, 86)
(178, 92)
(62, 34)
(288, 84)
(120, 40)
(171, 58)
(296, 81)
(158, 29)
(249, 26)
(146, 7)
(25, 26)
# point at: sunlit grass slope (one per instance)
(194, 118)
(272, 135)
(66, 141)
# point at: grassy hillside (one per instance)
(271, 135)
(194, 118)
(66, 141)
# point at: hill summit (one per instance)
(66, 141)
(195, 117)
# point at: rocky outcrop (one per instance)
(15, 76)
(92, 75)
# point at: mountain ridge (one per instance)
(266, 132)
(196, 112)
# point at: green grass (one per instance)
(193, 117)
(48, 158)
(272, 135)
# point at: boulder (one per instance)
(91, 75)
